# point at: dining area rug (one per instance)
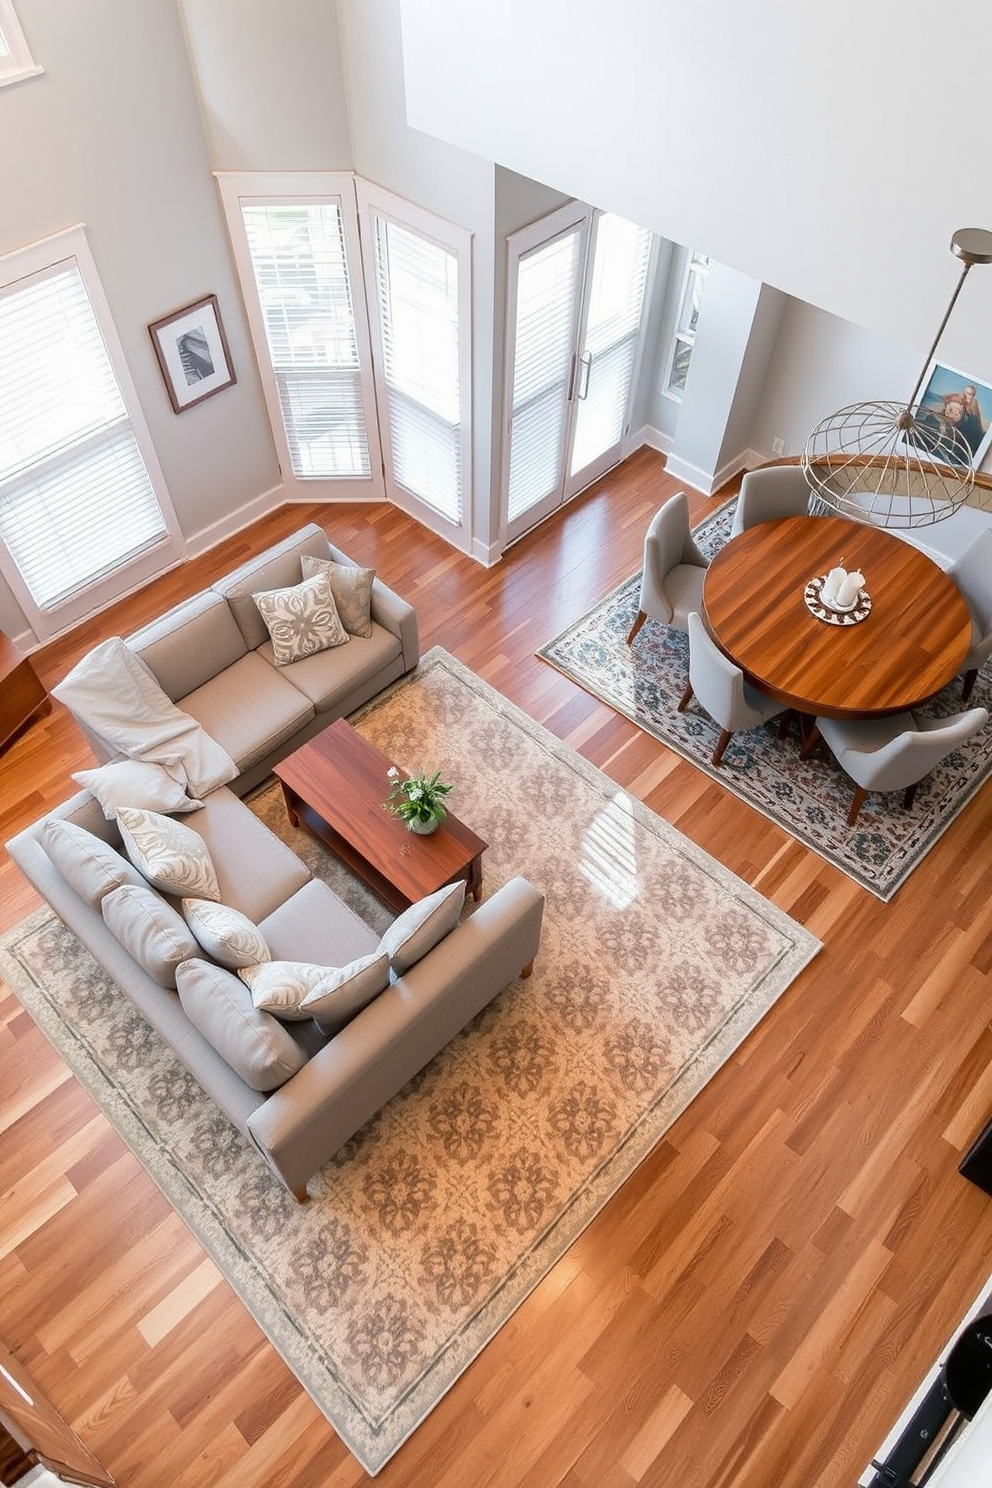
(809, 798)
(432, 1225)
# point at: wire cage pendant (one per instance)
(897, 464)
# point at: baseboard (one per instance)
(710, 481)
(234, 522)
(488, 554)
(649, 435)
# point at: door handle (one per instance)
(585, 362)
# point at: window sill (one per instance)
(19, 75)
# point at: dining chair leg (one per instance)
(910, 796)
(686, 698)
(860, 796)
(722, 742)
(785, 722)
(641, 617)
(810, 736)
(970, 678)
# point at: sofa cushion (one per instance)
(190, 644)
(254, 1044)
(276, 568)
(315, 925)
(301, 620)
(235, 837)
(250, 709)
(130, 782)
(331, 676)
(227, 935)
(345, 991)
(279, 987)
(149, 930)
(352, 590)
(91, 866)
(171, 857)
(419, 928)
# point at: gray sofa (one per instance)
(212, 658)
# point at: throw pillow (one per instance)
(419, 928)
(89, 864)
(301, 620)
(135, 783)
(352, 590)
(256, 1046)
(345, 991)
(279, 987)
(149, 930)
(226, 934)
(172, 857)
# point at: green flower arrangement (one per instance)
(418, 801)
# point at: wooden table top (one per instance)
(912, 643)
(344, 779)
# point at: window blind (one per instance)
(76, 499)
(301, 272)
(547, 291)
(417, 295)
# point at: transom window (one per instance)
(684, 337)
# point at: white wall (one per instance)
(828, 148)
(110, 136)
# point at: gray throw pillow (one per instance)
(254, 1044)
(135, 783)
(279, 987)
(172, 857)
(352, 590)
(89, 864)
(301, 620)
(419, 928)
(229, 936)
(149, 930)
(345, 991)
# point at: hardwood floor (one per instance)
(757, 1303)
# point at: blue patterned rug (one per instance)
(808, 798)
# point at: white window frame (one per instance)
(696, 266)
(375, 201)
(20, 64)
(41, 257)
(303, 188)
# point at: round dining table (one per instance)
(910, 645)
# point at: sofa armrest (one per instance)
(308, 1119)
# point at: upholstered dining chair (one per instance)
(720, 687)
(972, 573)
(771, 492)
(674, 568)
(894, 753)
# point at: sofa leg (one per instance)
(525, 971)
(300, 1194)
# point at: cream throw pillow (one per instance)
(345, 991)
(171, 857)
(135, 783)
(352, 590)
(301, 620)
(279, 987)
(419, 928)
(226, 934)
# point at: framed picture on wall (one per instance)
(192, 352)
(963, 402)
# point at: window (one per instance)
(16, 61)
(684, 338)
(296, 243)
(83, 515)
(419, 298)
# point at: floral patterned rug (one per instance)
(808, 798)
(434, 1223)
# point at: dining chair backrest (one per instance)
(669, 541)
(716, 681)
(972, 573)
(768, 493)
(912, 754)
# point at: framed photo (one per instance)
(964, 402)
(192, 352)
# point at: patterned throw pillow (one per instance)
(279, 987)
(345, 991)
(173, 858)
(301, 620)
(135, 783)
(419, 928)
(351, 588)
(226, 934)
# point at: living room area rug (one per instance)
(808, 798)
(437, 1219)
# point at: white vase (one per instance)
(424, 828)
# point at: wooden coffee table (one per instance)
(336, 783)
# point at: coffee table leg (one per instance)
(475, 878)
(290, 801)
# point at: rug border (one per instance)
(374, 1447)
(543, 653)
